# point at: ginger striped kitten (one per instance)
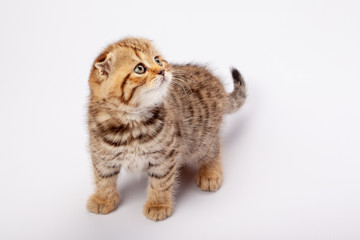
(146, 115)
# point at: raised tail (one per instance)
(237, 97)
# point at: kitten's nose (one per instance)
(161, 72)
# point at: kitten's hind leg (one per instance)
(209, 177)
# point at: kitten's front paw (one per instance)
(157, 212)
(98, 205)
(209, 179)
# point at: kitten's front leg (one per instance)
(159, 203)
(106, 196)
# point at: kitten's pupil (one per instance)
(139, 69)
(158, 61)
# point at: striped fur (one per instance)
(154, 122)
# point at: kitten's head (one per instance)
(130, 72)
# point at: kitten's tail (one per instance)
(238, 96)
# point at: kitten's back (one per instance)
(200, 101)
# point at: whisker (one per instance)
(180, 72)
(179, 79)
(178, 84)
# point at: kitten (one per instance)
(146, 115)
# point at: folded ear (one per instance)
(104, 66)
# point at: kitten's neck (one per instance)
(124, 113)
(139, 114)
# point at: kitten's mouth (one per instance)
(163, 80)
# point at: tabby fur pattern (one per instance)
(146, 115)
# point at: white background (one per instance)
(291, 155)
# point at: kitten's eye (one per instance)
(140, 69)
(158, 61)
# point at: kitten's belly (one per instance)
(134, 163)
(133, 159)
